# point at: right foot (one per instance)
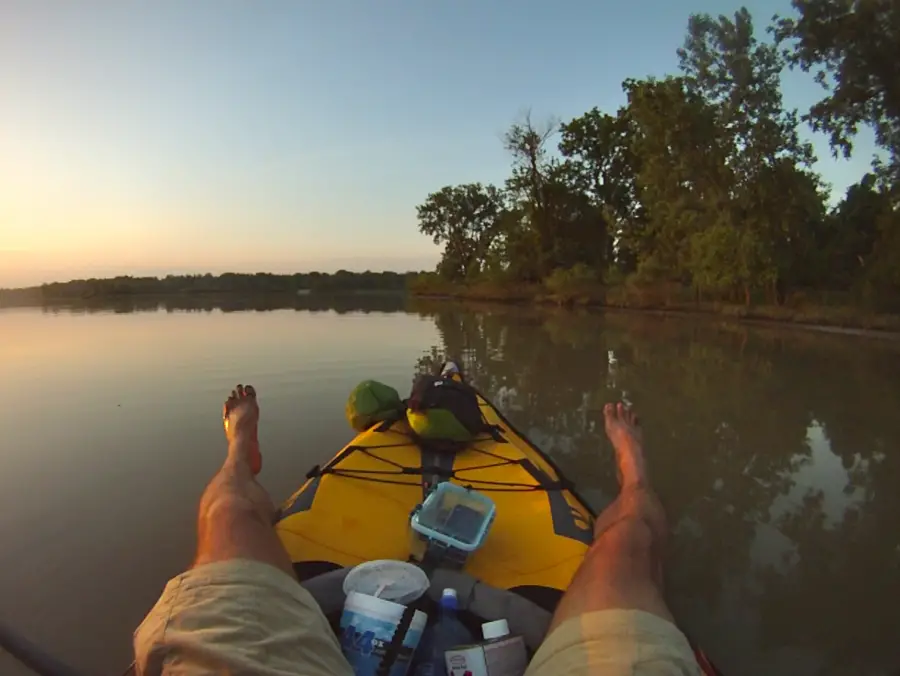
(627, 439)
(241, 418)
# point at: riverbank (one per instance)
(797, 310)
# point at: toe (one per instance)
(250, 391)
(630, 416)
(621, 411)
(609, 412)
(240, 391)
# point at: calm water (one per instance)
(776, 454)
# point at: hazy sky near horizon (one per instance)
(214, 135)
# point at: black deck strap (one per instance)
(565, 483)
(508, 461)
(380, 446)
(368, 452)
(363, 473)
(437, 471)
(496, 433)
(396, 644)
(386, 424)
(476, 468)
(314, 472)
(376, 481)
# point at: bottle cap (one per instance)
(495, 629)
(449, 599)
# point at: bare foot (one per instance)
(241, 418)
(626, 437)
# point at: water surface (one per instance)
(775, 452)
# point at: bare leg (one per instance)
(623, 567)
(235, 520)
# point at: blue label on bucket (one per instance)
(364, 640)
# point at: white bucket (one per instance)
(367, 628)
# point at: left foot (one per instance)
(628, 441)
(241, 418)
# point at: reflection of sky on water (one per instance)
(820, 475)
(823, 472)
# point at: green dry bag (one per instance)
(372, 402)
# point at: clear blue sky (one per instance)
(155, 137)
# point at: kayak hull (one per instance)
(357, 507)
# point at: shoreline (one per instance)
(813, 318)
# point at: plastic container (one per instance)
(499, 655)
(447, 633)
(368, 625)
(453, 518)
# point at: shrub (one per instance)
(578, 284)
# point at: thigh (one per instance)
(236, 617)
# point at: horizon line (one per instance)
(161, 277)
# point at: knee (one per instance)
(631, 536)
(227, 507)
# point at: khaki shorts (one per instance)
(615, 643)
(245, 617)
(237, 617)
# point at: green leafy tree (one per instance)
(683, 181)
(852, 47)
(579, 228)
(853, 232)
(527, 186)
(739, 78)
(598, 150)
(724, 258)
(464, 219)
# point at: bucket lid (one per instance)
(386, 579)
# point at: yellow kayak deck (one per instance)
(357, 507)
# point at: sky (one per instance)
(164, 137)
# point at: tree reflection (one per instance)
(731, 417)
(340, 303)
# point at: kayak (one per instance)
(357, 507)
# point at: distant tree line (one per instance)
(229, 283)
(701, 181)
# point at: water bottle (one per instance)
(448, 632)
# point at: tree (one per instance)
(578, 227)
(739, 78)
(852, 47)
(683, 180)
(724, 63)
(556, 218)
(597, 148)
(527, 144)
(702, 180)
(465, 220)
(863, 244)
(723, 257)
